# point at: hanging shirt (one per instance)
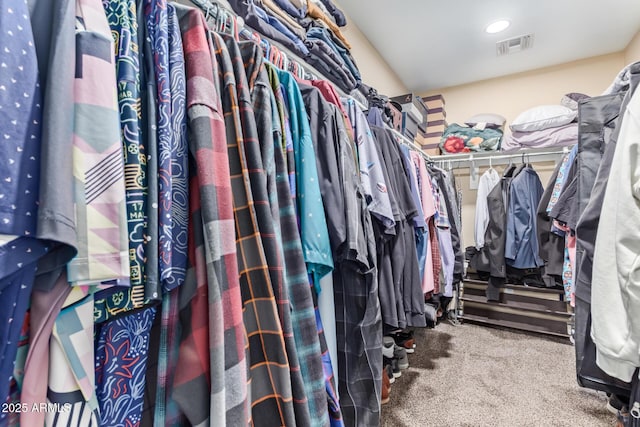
(121, 352)
(219, 373)
(44, 309)
(561, 179)
(179, 161)
(443, 227)
(124, 29)
(157, 23)
(99, 185)
(521, 244)
(303, 316)
(419, 219)
(488, 180)
(429, 211)
(296, 291)
(53, 24)
(271, 402)
(446, 182)
(371, 174)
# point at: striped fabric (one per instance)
(211, 377)
(99, 179)
(270, 137)
(271, 395)
(71, 352)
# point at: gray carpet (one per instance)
(472, 375)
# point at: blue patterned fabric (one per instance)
(180, 156)
(20, 115)
(121, 15)
(157, 21)
(121, 353)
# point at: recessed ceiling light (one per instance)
(498, 26)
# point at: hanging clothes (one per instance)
(492, 256)
(599, 118)
(521, 245)
(487, 182)
(429, 211)
(550, 245)
(358, 330)
(99, 184)
(293, 283)
(614, 305)
(20, 250)
(53, 24)
(212, 307)
(272, 403)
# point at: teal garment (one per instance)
(312, 220)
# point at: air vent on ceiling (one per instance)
(515, 44)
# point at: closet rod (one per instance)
(463, 159)
(409, 143)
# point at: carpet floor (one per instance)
(475, 376)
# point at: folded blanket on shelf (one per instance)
(462, 139)
(553, 137)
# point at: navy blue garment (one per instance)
(275, 23)
(324, 35)
(521, 248)
(337, 14)
(250, 13)
(330, 63)
(21, 116)
(292, 10)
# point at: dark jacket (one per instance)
(550, 245)
(599, 118)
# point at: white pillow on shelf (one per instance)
(543, 117)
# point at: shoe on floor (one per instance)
(406, 340)
(431, 315)
(615, 404)
(386, 390)
(388, 370)
(400, 354)
(395, 369)
(388, 346)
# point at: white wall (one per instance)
(375, 71)
(632, 52)
(510, 95)
(513, 94)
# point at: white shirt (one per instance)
(488, 181)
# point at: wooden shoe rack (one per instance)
(532, 309)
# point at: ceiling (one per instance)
(433, 44)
